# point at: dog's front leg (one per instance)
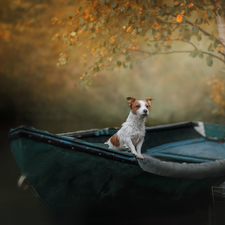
(131, 146)
(139, 145)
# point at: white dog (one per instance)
(132, 133)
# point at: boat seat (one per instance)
(194, 150)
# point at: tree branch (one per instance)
(205, 32)
(164, 53)
(176, 40)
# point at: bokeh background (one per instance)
(35, 92)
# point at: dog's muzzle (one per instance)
(145, 112)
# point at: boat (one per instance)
(75, 171)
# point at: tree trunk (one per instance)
(221, 29)
(221, 26)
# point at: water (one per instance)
(21, 207)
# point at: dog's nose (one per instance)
(145, 110)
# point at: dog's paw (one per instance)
(139, 157)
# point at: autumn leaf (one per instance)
(155, 24)
(190, 5)
(182, 12)
(209, 13)
(179, 18)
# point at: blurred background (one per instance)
(35, 92)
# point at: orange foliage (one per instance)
(179, 18)
(190, 5)
(218, 94)
(133, 47)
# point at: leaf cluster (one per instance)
(113, 31)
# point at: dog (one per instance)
(132, 133)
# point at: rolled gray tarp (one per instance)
(182, 170)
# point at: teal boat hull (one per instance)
(75, 171)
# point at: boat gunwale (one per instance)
(76, 144)
(71, 144)
(65, 140)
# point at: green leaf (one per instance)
(81, 20)
(206, 21)
(194, 53)
(131, 66)
(210, 63)
(152, 2)
(199, 37)
(68, 42)
(162, 12)
(134, 19)
(180, 8)
(112, 13)
(128, 58)
(139, 61)
(124, 65)
(152, 20)
(103, 43)
(173, 11)
(139, 29)
(158, 21)
(102, 20)
(123, 8)
(209, 60)
(119, 63)
(102, 1)
(147, 16)
(215, 44)
(201, 55)
(209, 13)
(84, 27)
(210, 47)
(194, 29)
(105, 31)
(114, 5)
(90, 25)
(98, 24)
(134, 32)
(81, 9)
(148, 33)
(126, 22)
(220, 12)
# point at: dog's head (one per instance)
(139, 107)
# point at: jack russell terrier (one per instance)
(132, 133)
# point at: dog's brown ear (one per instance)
(149, 101)
(130, 101)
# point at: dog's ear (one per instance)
(149, 101)
(130, 101)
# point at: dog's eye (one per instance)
(147, 106)
(137, 106)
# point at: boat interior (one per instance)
(177, 142)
